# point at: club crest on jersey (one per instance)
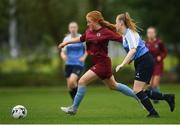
(98, 34)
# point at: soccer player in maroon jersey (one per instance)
(97, 36)
(159, 52)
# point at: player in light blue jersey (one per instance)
(133, 40)
(143, 63)
(74, 56)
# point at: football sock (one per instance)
(79, 96)
(125, 90)
(156, 89)
(156, 95)
(145, 101)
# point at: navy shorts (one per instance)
(69, 69)
(144, 68)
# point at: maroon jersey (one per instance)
(156, 48)
(97, 47)
(97, 41)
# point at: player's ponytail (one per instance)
(97, 17)
(107, 24)
(128, 21)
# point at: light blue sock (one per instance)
(126, 90)
(79, 96)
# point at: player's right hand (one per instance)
(119, 67)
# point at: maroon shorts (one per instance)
(102, 67)
(158, 69)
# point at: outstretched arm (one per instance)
(73, 40)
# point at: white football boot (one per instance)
(69, 110)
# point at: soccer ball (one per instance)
(19, 111)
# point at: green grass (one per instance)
(100, 105)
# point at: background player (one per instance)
(74, 56)
(159, 52)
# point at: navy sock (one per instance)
(73, 92)
(156, 95)
(156, 89)
(145, 101)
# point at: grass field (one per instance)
(100, 105)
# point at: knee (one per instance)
(71, 84)
(138, 87)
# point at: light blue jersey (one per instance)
(133, 40)
(74, 52)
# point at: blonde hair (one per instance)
(73, 22)
(128, 21)
(96, 16)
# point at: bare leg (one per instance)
(156, 81)
(87, 78)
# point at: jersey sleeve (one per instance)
(114, 36)
(131, 39)
(83, 37)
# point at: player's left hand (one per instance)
(119, 67)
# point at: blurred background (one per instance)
(31, 30)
